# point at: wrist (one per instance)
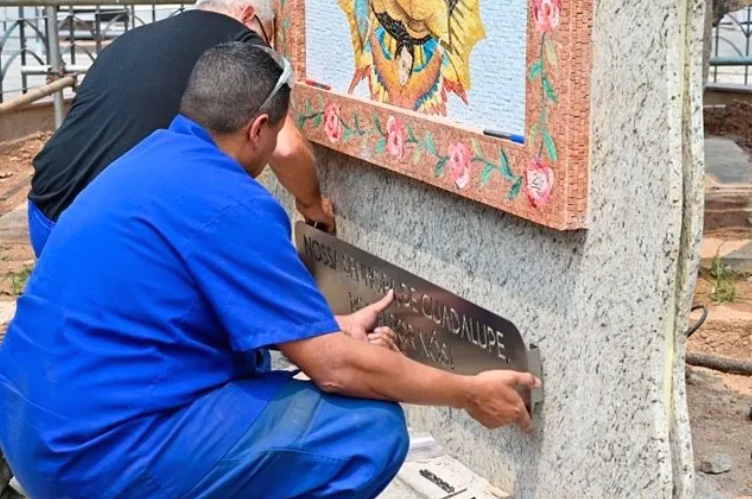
(310, 201)
(344, 323)
(466, 392)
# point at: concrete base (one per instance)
(14, 226)
(726, 93)
(428, 473)
(728, 186)
(727, 164)
(728, 208)
(22, 122)
(458, 482)
(735, 254)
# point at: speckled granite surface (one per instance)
(601, 304)
(692, 227)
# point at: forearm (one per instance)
(373, 372)
(357, 369)
(294, 165)
(344, 322)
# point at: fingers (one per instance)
(530, 381)
(322, 226)
(328, 210)
(497, 400)
(320, 215)
(326, 226)
(526, 379)
(384, 337)
(382, 342)
(357, 333)
(524, 420)
(387, 331)
(383, 303)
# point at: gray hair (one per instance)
(264, 8)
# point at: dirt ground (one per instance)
(733, 121)
(719, 403)
(16, 257)
(728, 330)
(16, 170)
(719, 406)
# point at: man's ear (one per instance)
(255, 128)
(247, 12)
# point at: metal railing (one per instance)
(43, 41)
(732, 49)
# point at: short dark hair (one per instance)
(227, 86)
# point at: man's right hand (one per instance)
(320, 212)
(493, 401)
(339, 364)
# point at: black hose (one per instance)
(697, 325)
(723, 364)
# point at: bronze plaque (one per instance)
(435, 327)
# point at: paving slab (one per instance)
(726, 163)
(728, 186)
(428, 473)
(735, 254)
(7, 311)
(14, 226)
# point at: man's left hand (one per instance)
(364, 321)
(361, 325)
(384, 337)
(321, 212)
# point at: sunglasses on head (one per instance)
(267, 40)
(286, 78)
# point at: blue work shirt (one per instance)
(154, 291)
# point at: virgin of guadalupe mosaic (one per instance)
(413, 53)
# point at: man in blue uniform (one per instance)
(129, 370)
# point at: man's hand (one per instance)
(361, 325)
(384, 337)
(339, 364)
(493, 401)
(294, 165)
(321, 212)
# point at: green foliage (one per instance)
(19, 279)
(723, 279)
(514, 191)
(536, 70)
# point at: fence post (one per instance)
(748, 35)
(72, 31)
(56, 66)
(23, 45)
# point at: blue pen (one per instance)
(519, 139)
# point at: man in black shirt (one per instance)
(134, 88)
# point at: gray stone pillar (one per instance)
(608, 306)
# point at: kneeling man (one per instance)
(131, 370)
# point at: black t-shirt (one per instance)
(133, 88)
